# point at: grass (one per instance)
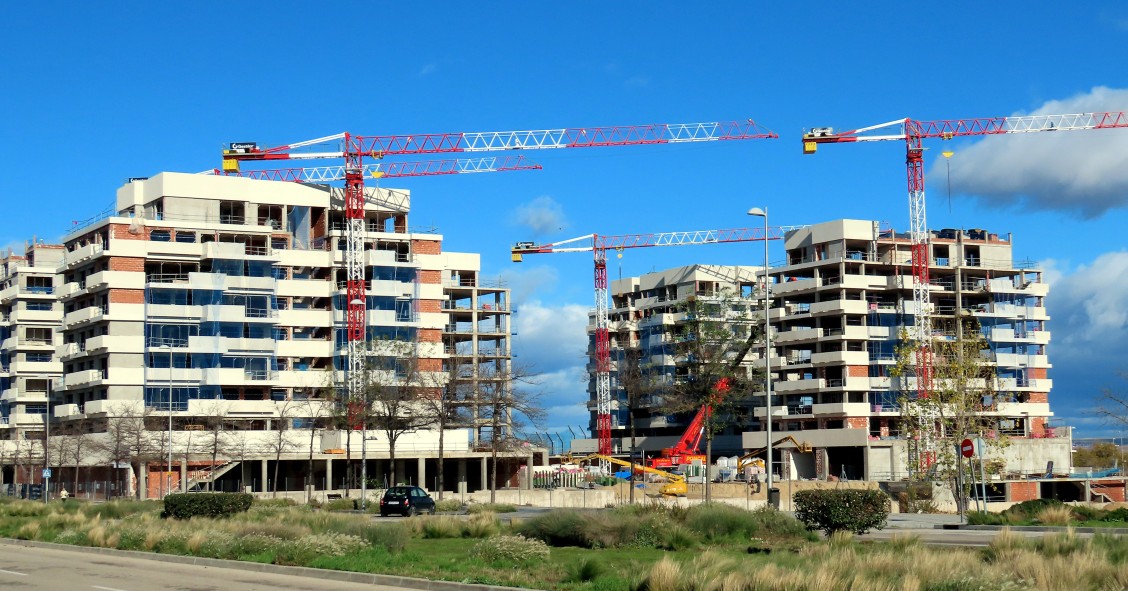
(655, 548)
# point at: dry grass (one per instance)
(1060, 515)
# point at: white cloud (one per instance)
(1088, 310)
(542, 215)
(551, 338)
(427, 70)
(1080, 172)
(529, 281)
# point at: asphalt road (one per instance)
(49, 569)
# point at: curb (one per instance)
(1045, 528)
(296, 571)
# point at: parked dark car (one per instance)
(407, 501)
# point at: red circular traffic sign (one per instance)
(967, 448)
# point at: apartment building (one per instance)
(209, 299)
(646, 314)
(838, 307)
(30, 316)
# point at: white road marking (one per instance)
(12, 572)
(106, 588)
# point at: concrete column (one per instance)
(142, 485)
(421, 466)
(183, 475)
(265, 477)
(485, 474)
(461, 475)
(328, 473)
(529, 472)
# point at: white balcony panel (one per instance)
(840, 358)
(852, 409)
(82, 378)
(864, 281)
(207, 345)
(82, 253)
(83, 315)
(116, 344)
(799, 285)
(250, 283)
(839, 307)
(236, 346)
(305, 317)
(175, 311)
(224, 250)
(310, 288)
(786, 386)
(305, 348)
(797, 335)
(36, 367)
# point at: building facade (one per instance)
(212, 303)
(840, 306)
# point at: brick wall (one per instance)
(127, 296)
(1113, 489)
(857, 371)
(1037, 373)
(1039, 397)
(857, 423)
(1037, 426)
(430, 277)
(430, 306)
(430, 365)
(430, 335)
(127, 264)
(121, 232)
(426, 247)
(1023, 491)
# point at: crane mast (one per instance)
(913, 132)
(598, 246)
(353, 149)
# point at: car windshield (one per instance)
(397, 492)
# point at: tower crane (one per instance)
(913, 132)
(599, 245)
(354, 149)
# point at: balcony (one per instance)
(796, 335)
(83, 378)
(840, 358)
(83, 253)
(812, 385)
(89, 314)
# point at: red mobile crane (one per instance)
(598, 246)
(913, 132)
(353, 149)
(685, 450)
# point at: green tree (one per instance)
(711, 344)
(963, 385)
(1099, 456)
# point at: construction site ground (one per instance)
(733, 492)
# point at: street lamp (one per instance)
(363, 431)
(756, 211)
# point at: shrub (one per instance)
(985, 518)
(587, 569)
(1087, 513)
(341, 505)
(556, 528)
(1055, 515)
(186, 506)
(1030, 509)
(717, 521)
(510, 550)
(448, 506)
(1118, 514)
(832, 510)
(305, 550)
(275, 502)
(492, 508)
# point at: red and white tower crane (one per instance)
(913, 132)
(598, 246)
(354, 149)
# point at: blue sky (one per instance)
(94, 93)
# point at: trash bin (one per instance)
(773, 497)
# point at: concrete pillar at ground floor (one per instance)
(265, 476)
(461, 487)
(485, 474)
(328, 473)
(142, 485)
(528, 484)
(183, 475)
(421, 468)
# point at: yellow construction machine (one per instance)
(675, 483)
(750, 459)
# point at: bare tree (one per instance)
(214, 438)
(280, 444)
(1113, 405)
(507, 402)
(236, 440)
(315, 409)
(445, 404)
(394, 388)
(128, 442)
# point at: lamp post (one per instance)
(756, 211)
(363, 431)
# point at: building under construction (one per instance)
(205, 318)
(840, 308)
